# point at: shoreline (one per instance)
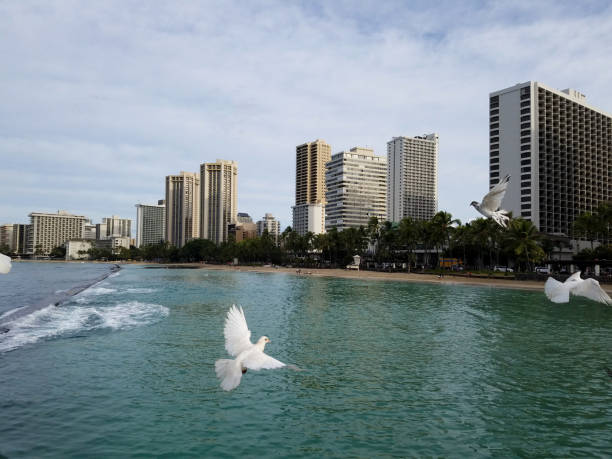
(348, 274)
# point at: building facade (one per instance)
(114, 227)
(150, 223)
(356, 182)
(53, 230)
(271, 225)
(22, 234)
(182, 208)
(557, 149)
(219, 198)
(309, 218)
(6, 236)
(412, 177)
(242, 231)
(310, 161)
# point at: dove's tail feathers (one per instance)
(556, 291)
(229, 372)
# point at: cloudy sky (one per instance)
(100, 100)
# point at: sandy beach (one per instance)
(384, 276)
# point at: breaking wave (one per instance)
(52, 322)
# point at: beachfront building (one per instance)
(76, 249)
(556, 147)
(53, 230)
(114, 227)
(90, 230)
(412, 177)
(182, 208)
(311, 158)
(6, 235)
(150, 223)
(219, 198)
(356, 182)
(309, 218)
(21, 236)
(271, 225)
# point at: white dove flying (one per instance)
(489, 207)
(5, 264)
(247, 355)
(559, 292)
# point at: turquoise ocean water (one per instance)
(126, 368)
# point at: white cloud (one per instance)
(108, 98)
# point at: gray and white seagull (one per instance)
(491, 203)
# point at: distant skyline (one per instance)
(101, 101)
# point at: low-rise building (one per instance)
(271, 225)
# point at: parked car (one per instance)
(503, 269)
(542, 270)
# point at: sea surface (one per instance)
(389, 369)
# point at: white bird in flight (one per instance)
(247, 355)
(490, 205)
(5, 264)
(559, 292)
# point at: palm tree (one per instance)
(522, 239)
(442, 228)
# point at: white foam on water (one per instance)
(115, 274)
(98, 291)
(52, 322)
(141, 290)
(8, 313)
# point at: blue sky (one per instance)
(102, 100)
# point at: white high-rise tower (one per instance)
(412, 178)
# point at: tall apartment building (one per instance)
(6, 235)
(219, 198)
(412, 177)
(22, 234)
(270, 224)
(356, 183)
(150, 223)
(310, 161)
(114, 227)
(52, 230)
(558, 150)
(182, 208)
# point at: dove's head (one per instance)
(263, 341)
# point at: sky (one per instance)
(100, 100)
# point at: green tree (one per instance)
(588, 226)
(522, 240)
(58, 252)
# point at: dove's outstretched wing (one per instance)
(260, 361)
(556, 291)
(492, 200)
(591, 289)
(5, 264)
(236, 332)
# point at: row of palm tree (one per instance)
(479, 244)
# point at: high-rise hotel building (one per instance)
(182, 208)
(150, 223)
(309, 209)
(356, 182)
(48, 231)
(558, 150)
(219, 199)
(412, 177)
